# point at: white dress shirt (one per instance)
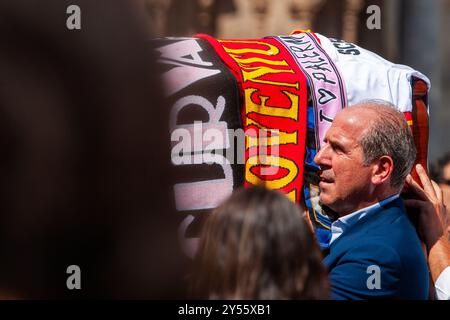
(442, 285)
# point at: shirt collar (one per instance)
(342, 224)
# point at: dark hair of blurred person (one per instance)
(85, 165)
(441, 169)
(257, 245)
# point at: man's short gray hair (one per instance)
(389, 135)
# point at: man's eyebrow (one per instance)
(335, 144)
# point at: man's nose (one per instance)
(320, 158)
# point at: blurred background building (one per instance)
(413, 32)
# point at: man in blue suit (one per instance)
(374, 249)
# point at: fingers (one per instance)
(438, 191)
(446, 221)
(414, 203)
(416, 188)
(430, 191)
(425, 180)
(424, 209)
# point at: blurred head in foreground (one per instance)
(257, 245)
(85, 155)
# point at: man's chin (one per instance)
(325, 200)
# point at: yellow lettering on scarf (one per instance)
(274, 162)
(257, 72)
(262, 108)
(270, 51)
(254, 73)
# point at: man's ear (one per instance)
(382, 170)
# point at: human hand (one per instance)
(433, 219)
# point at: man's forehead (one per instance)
(342, 134)
(351, 122)
(358, 114)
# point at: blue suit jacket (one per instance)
(388, 240)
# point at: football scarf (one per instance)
(274, 95)
(204, 114)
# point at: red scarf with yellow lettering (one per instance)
(274, 94)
